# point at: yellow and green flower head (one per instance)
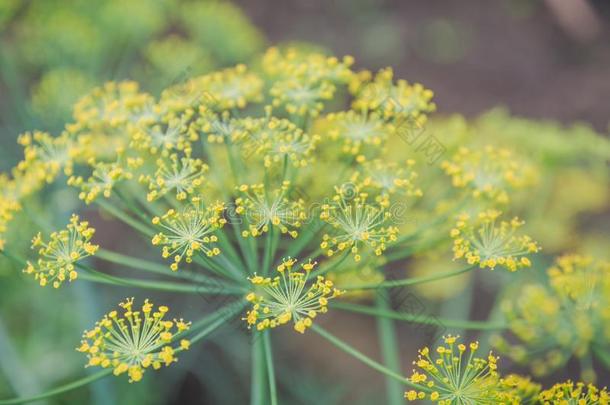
(180, 175)
(455, 375)
(396, 101)
(490, 172)
(47, 155)
(488, 242)
(112, 106)
(358, 133)
(134, 340)
(387, 178)
(230, 88)
(289, 296)
(101, 181)
(303, 83)
(562, 320)
(569, 393)
(184, 233)
(58, 256)
(263, 208)
(277, 141)
(356, 223)
(313, 66)
(167, 135)
(516, 389)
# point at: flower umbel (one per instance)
(289, 297)
(455, 377)
(183, 175)
(59, 255)
(356, 223)
(187, 232)
(492, 173)
(133, 341)
(264, 208)
(487, 242)
(568, 393)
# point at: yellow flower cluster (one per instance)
(455, 376)
(356, 222)
(58, 256)
(102, 180)
(183, 233)
(134, 340)
(562, 320)
(568, 393)
(183, 175)
(399, 100)
(304, 82)
(489, 243)
(289, 297)
(263, 208)
(46, 154)
(490, 172)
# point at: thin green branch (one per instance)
(270, 370)
(426, 320)
(363, 358)
(59, 390)
(408, 281)
(257, 395)
(389, 348)
(99, 277)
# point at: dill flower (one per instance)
(58, 256)
(222, 127)
(168, 134)
(356, 131)
(134, 340)
(455, 376)
(302, 97)
(516, 389)
(489, 172)
(277, 141)
(183, 175)
(290, 296)
(102, 180)
(568, 393)
(356, 223)
(293, 62)
(489, 243)
(388, 178)
(303, 82)
(561, 320)
(399, 101)
(264, 208)
(54, 154)
(111, 106)
(189, 231)
(223, 90)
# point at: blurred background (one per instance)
(541, 59)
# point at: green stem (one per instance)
(270, 370)
(59, 390)
(115, 212)
(389, 349)
(426, 320)
(408, 281)
(269, 253)
(145, 265)
(332, 266)
(99, 277)
(257, 395)
(365, 359)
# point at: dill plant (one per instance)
(253, 188)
